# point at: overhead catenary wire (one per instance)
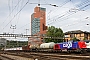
(9, 6)
(15, 15)
(19, 7)
(83, 3)
(66, 13)
(59, 15)
(80, 8)
(24, 26)
(81, 20)
(74, 24)
(19, 29)
(12, 7)
(52, 4)
(78, 26)
(10, 11)
(63, 17)
(64, 3)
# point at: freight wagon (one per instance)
(47, 47)
(71, 46)
(16, 48)
(44, 47)
(24, 48)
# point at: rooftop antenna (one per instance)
(39, 3)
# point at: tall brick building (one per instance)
(38, 25)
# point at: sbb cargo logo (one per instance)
(68, 45)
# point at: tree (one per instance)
(84, 38)
(56, 35)
(75, 39)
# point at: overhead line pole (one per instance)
(13, 27)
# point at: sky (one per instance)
(15, 15)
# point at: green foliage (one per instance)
(1, 46)
(53, 40)
(54, 32)
(11, 44)
(85, 38)
(56, 35)
(75, 39)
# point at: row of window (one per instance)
(35, 26)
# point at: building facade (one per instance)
(38, 24)
(81, 35)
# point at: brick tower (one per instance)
(38, 24)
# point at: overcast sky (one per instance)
(69, 15)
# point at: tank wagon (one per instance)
(47, 45)
(42, 47)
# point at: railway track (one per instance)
(2, 57)
(13, 57)
(51, 56)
